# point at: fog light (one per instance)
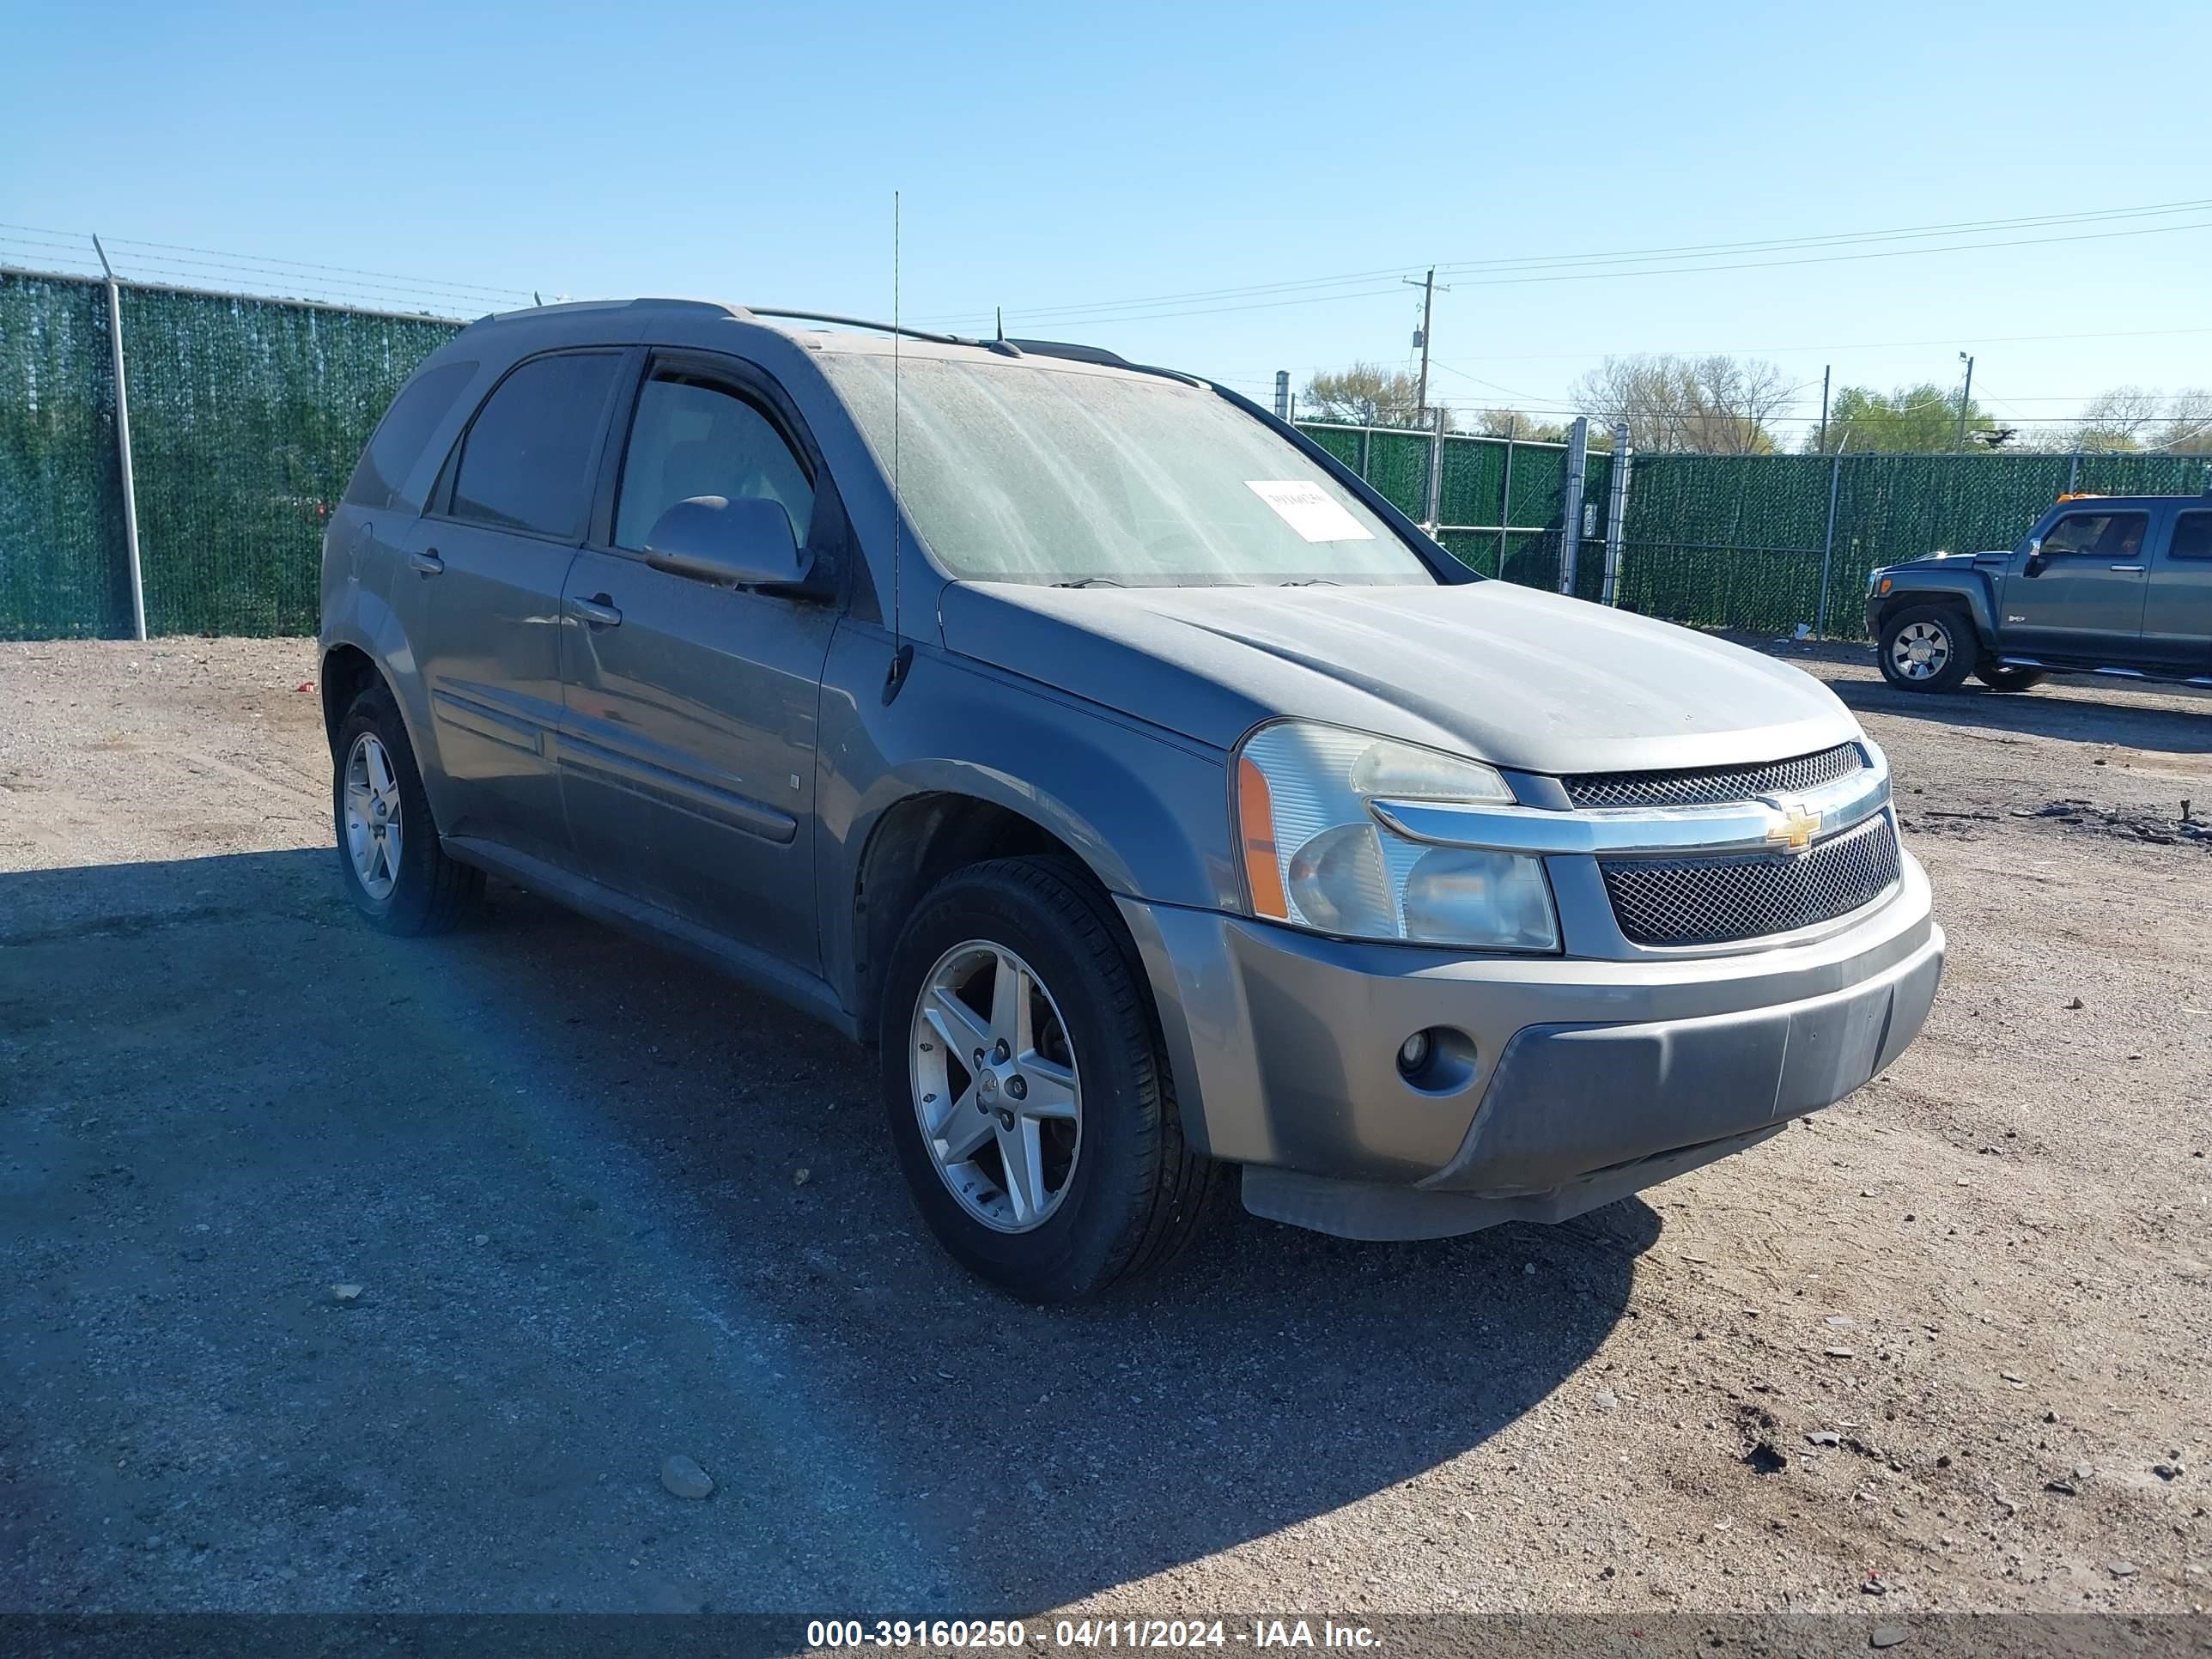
(1439, 1059)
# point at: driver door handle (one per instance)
(427, 562)
(595, 611)
(2136, 568)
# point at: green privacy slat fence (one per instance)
(61, 563)
(246, 416)
(1737, 541)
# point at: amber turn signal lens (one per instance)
(1256, 823)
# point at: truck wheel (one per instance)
(1926, 648)
(396, 874)
(1028, 1094)
(2008, 679)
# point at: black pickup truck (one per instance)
(2118, 584)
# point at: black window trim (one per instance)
(439, 506)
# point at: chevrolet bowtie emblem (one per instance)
(1796, 829)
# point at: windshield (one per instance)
(1016, 471)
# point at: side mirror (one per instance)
(2034, 565)
(747, 543)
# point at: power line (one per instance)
(1261, 292)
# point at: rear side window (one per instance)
(523, 464)
(2193, 537)
(400, 436)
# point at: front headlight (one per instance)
(1316, 857)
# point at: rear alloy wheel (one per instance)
(1924, 649)
(1025, 1087)
(389, 858)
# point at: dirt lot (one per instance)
(603, 1208)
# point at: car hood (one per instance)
(1512, 676)
(1928, 560)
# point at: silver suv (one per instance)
(1155, 797)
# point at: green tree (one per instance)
(1912, 420)
(1531, 428)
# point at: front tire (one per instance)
(1028, 1095)
(1927, 647)
(2008, 679)
(389, 860)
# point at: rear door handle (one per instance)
(427, 562)
(595, 611)
(2136, 568)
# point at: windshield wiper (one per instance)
(1091, 582)
(1311, 581)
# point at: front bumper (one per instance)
(1591, 1078)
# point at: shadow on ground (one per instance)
(2109, 720)
(604, 1207)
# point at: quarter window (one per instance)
(2099, 535)
(2193, 537)
(400, 436)
(524, 464)
(690, 438)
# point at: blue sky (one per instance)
(1072, 157)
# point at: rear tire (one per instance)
(1114, 1190)
(1927, 647)
(378, 804)
(2009, 680)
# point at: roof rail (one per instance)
(1074, 354)
(718, 307)
(861, 322)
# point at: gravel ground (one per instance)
(1949, 1339)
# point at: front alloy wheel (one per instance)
(1923, 649)
(996, 1090)
(1025, 1087)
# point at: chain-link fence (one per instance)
(246, 416)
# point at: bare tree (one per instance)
(2122, 418)
(1713, 406)
(2188, 427)
(1368, 394)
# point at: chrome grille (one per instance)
(1715, 786)
(1714, 901)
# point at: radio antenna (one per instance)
(902, 653)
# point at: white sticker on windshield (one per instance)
(1310, 510)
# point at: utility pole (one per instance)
(1428, 287)
(1824, 408)
(1965, 394)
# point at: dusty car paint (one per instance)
(714, 768)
